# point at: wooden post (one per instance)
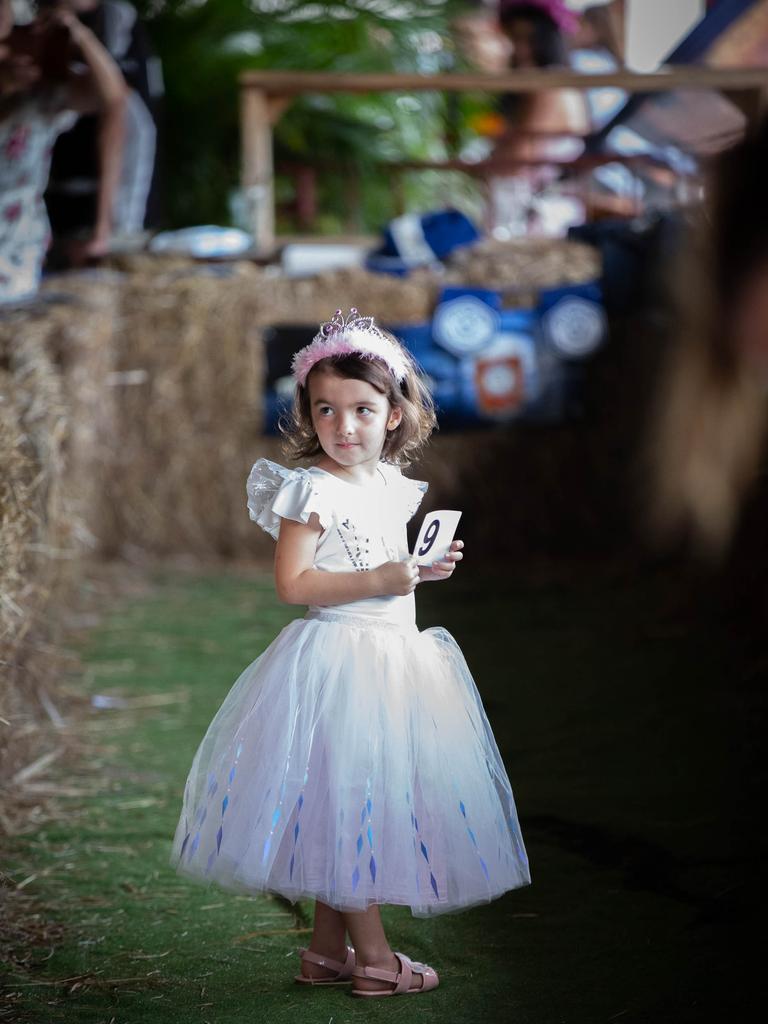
(257, 173)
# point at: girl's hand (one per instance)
(398, 578)
(443, 569)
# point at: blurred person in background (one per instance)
(597, 47)
(543, 128)
(73, 189)
(711, 418)
(41, 94)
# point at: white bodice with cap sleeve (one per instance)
(362, 526)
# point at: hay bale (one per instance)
(521, 268)
(390, 299)
(145, 262)
(163, 369)
(79, 325)
(36, 527)
(188, 376)
(35, 425)
(18, 525)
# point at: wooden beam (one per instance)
(265, 94)
(292, 83)
(257, 172)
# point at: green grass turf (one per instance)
(624, 741)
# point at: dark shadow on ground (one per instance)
(629, 710)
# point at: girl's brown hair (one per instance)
(402, 444)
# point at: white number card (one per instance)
(435, 536)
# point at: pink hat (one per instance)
(565, 19)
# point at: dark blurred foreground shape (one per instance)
(708, 441)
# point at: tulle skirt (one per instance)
(353, 763)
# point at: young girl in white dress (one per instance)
(353, 762)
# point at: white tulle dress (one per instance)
(352, 762)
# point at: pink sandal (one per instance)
(343, 970)
(400, 979)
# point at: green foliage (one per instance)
(205, 44)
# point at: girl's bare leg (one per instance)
(371, 947)
(329, 938)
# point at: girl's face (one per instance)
(351, 418)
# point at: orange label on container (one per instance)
(500, 384)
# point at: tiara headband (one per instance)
(352, 335)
